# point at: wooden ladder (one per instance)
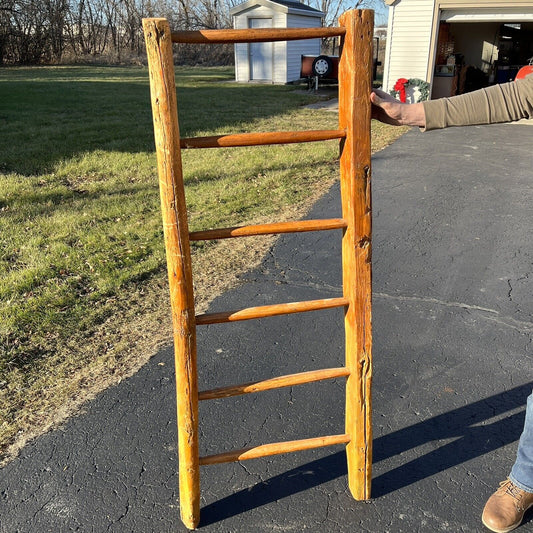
(355, 85)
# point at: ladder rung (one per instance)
(270, 310)
(260, 139)
(254, 36)
(274, 383)
(273, 449)
(269, 229)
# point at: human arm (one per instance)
(387, 109)
(500, 103)
(507, 102)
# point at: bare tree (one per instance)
(56, 18)
(6, 13)
(28, 32)
(36, 31)
(332, 9)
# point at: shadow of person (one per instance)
(467, 426)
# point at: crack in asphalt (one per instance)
(519, 325)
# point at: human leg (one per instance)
(505, 509)
(522, 471)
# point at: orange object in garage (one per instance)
(524, 71)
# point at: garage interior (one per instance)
(472, 55)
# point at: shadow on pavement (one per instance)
(469, 427)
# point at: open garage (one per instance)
(457, 46)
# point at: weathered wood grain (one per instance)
(355, 85)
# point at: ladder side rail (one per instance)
(257, 35)
(355, 85)
(166, 132)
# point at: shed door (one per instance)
(260, 53)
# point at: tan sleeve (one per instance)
(499, 103)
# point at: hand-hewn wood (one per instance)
(261, 139)
(275, 448)
(268, 229)
(355, 70)
(355, 84)
(274, 383)
(269, 310)
(253, 36)
(166, 132)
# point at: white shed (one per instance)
(277, 62)
(457, 45)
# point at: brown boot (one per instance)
(505, 509)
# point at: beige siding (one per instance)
(295, 49)
(407, 55)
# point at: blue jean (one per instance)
(522, 471)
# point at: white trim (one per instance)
(386, 65)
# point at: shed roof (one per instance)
(286, 6)
(297, 5)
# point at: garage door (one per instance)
(510, 14)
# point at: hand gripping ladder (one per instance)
(355, 84)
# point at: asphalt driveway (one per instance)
(452, 325)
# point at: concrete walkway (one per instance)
(326, 105)
(452, 258)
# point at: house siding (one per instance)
(242, 72)
(410, 27)
(279, 54)
(295, 49)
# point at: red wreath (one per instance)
(400, 87)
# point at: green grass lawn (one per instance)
(83, 298)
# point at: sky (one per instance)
(381, 12)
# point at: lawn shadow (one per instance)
(467, 425)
